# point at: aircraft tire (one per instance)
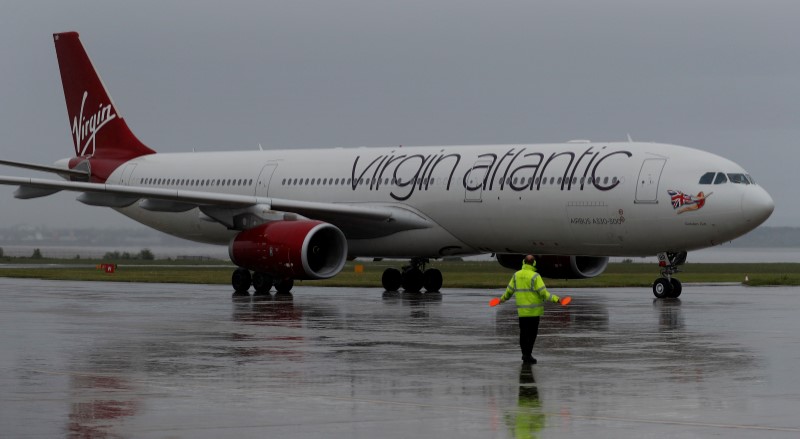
(262, 282)
(391, 279)
(676, 288)
(241, 280)
(432, 280)
(413, 280)
(284, 286)
(662, 288)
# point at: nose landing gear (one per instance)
(667, 286)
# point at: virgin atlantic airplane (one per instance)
(300, 214)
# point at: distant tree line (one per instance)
(144, 255)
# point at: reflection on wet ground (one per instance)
(135, 360)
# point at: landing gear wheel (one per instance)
(413, 280)
(262, 282)
(240, 280)
(676, 288)
(284, 286)
(662, 288)
(432, 280)
(391, 280)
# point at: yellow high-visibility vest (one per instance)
(529, 291)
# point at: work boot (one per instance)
(528, 359)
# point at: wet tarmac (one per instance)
(166, 361)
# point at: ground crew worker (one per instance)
(529, 291)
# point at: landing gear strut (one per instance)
(413, 277)
(667, 286)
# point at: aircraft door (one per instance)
(649, 176)
(476, 181)
(262, 185)
(125, 176)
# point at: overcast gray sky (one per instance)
(722, 76)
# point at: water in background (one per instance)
(716, 254)
(733, 255)
(70, 252)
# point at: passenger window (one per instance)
(720, 178)
(707, 178)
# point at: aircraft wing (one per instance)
(232, 210)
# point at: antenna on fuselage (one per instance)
(629, 138)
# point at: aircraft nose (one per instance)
(757, 205)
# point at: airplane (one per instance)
(301, 214)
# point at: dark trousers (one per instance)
(528, 330)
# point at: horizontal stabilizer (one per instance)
(79, 174)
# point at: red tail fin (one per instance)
(98, 130)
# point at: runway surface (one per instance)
(165, 361)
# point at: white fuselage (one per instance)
(600, 199)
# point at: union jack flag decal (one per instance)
(686, 202)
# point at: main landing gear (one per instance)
(413, 277)
(667, 286)
(241, 280)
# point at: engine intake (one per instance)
(291, 249)
(559, 267)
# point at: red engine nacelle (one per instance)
(559, 267)
(291, 249)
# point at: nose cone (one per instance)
(757, 206)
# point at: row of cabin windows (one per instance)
(432, 181)
(203, 182)
(722, 178)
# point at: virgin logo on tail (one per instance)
(85, 128)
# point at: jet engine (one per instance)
(301, 249)
(559, 267)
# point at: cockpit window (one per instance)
(738, 179)
(750, 178)
(707, 178)
(720, 178)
